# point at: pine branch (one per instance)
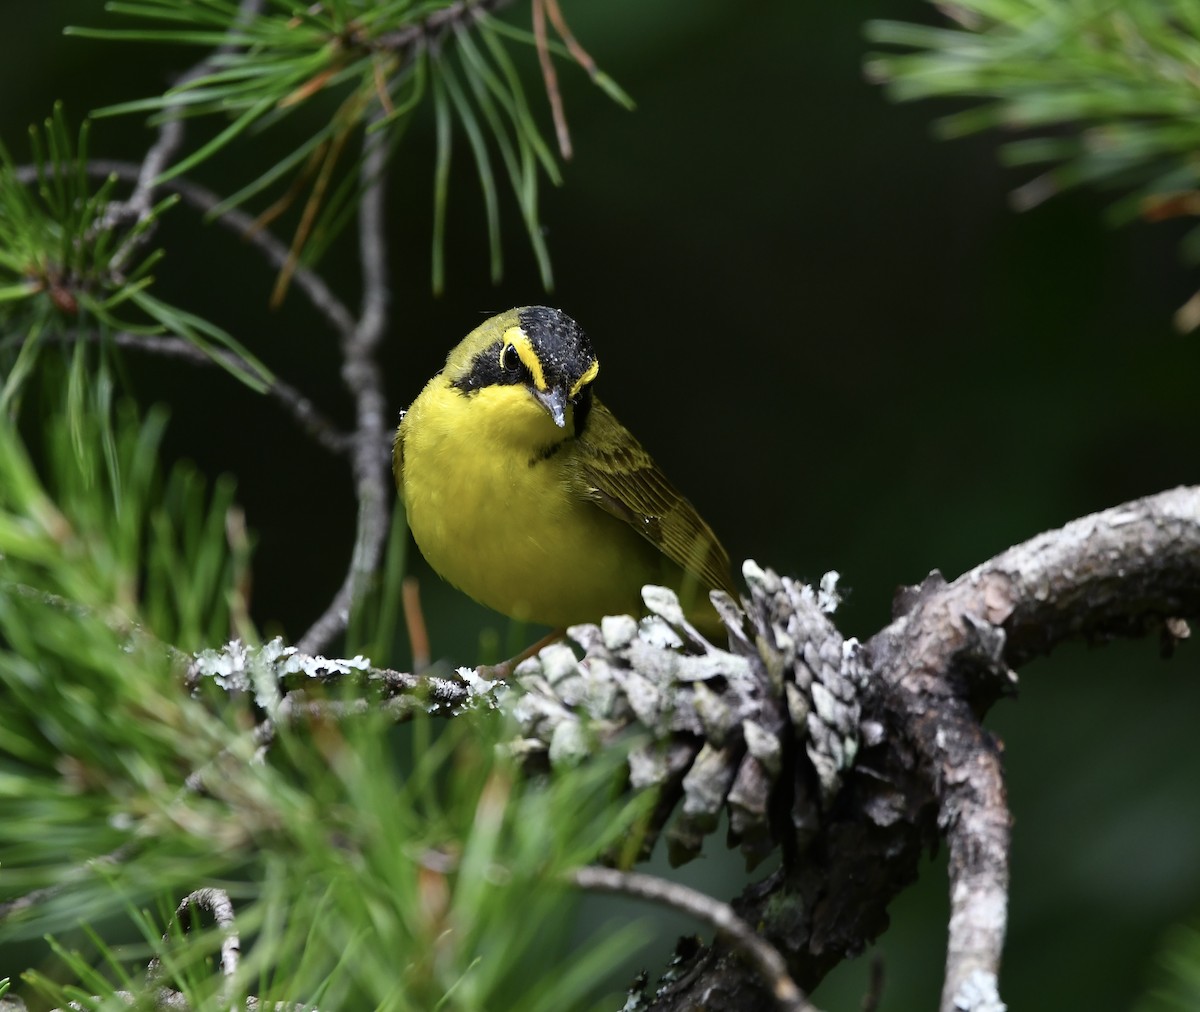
(63, 260)
(916, 763)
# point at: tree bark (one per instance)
(929, 770)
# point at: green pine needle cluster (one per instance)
(375, 66)
(1100, 93)
(94, 733)
(1177, 985)
(56, 253)
(72, 269)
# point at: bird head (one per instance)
(539, 352)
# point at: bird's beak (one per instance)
(555, 402)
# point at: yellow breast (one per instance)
(496, 508)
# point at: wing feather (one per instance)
(622, 478)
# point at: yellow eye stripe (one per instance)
(592, 372)
(519, 340)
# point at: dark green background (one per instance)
(835, 335)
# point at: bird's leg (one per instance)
(503, 670)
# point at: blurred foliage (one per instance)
(1179, 973)
(1106, 93)
(95, 735)
(341, 852)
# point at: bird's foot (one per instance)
(502, 671)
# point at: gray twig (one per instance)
(12, 909)
(245, 227)
(721, 916)
(310, 419)
(438, 23)
(217, 903)
(170, 136)
(363, 377)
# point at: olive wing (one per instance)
(622, 478)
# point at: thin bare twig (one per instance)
(315, 424)
(311, 420)
(718, 915)
(274, 251)
(438, 24)
(11, 909)
(364, 379)
(218, 905)
(170, 136)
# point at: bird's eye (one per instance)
(510, 361)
